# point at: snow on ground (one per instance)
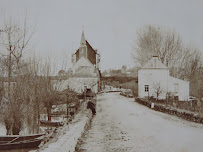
(71, 133)
(124, 125)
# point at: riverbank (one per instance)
(67, 136)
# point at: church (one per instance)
(85, 69)
(85, 56)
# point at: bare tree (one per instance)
(71, 98)
(152, 40)
(14, 41)
(157, 89)
(49, 90)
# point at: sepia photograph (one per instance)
(101, 76)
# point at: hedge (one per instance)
(198, 118)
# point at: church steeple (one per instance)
(83, 41)
(83, 46)
(86, 51)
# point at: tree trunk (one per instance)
(9, 75)
(16, 126)
(8, 125)
(49, 113)
(38, 118)
(37, 113)
(16, 130)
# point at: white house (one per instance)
(154, 78)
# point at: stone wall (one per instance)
(187, 115)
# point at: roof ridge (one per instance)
(154, 63)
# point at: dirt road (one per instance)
(122, 125)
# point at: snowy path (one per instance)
(70, 134)
(123, 125)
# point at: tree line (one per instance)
(26, 89)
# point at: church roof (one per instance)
(154, 63)
(84, 61)
(85, 71)
(84, 68)
(90, 47)
(85, 43)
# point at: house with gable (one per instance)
(154, 78)
(85, 70)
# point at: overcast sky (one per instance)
(110, 26)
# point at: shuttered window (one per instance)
(146, 88)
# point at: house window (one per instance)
(146, 88)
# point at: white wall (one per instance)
(182, 90)
(167, 83)
(152, 77)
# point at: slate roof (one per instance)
(88, 48)
(84, 71)
(154, 63)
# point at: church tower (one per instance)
(83, 46)
(86, 51)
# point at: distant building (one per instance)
(154, 76)
(85, 70)
(123, 69)
(123, 72)
(87, 52)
